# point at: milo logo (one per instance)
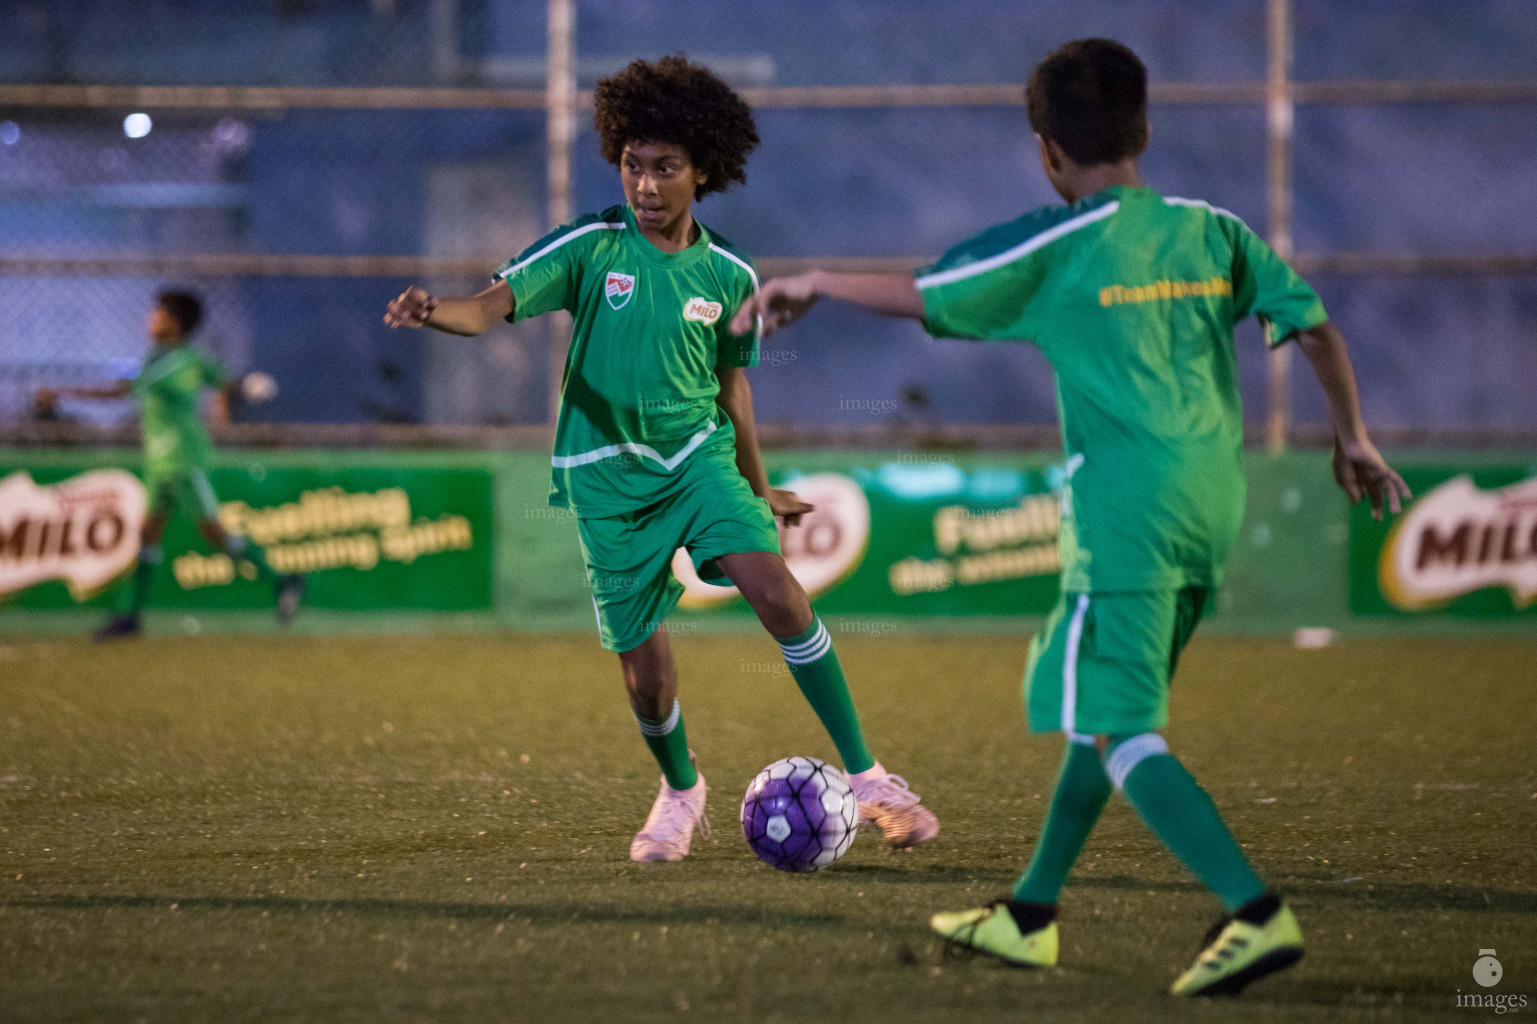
(702, 311)
(84, 530)
(1457, 539)
(822, 551)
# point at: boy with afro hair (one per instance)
(655, 444)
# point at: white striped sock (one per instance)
(807, 651)
(1127, 754)
(665, 726)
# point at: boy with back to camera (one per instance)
(1132, 297)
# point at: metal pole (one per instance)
(560, 133)
(1279, 118)
(445, 40)
(1346, 92)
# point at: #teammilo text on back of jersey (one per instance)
(1132, 297)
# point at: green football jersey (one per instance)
(168, 389)
(649, 328)
(1132, 297)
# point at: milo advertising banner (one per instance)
(369, 537)
(917, 536)
(82, 531)
(1466, 545)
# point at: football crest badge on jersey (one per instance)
(618, 288)
(702, 311)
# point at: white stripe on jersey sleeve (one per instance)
(739, 262)
(1019, 251)
(170, 363)
(1202, 204)
(750, 273)
(562, 240)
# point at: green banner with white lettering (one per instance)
(916, 535)
(368, 537)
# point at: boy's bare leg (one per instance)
(651, 680)
(785, 611)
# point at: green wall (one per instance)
(1290, 568)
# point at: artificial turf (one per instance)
(436, 828)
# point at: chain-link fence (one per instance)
(298, 163)
(295, 225)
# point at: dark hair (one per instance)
(1090, 98)
(184, 307)
(673, 101)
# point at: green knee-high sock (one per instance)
(244, 549)
(814, 664)
(1183, 816)
(133, 591)
(669, 745)
(1082, 790)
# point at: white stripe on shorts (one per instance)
(1070, 666)
(205, 495)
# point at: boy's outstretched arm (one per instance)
(735, 399)
(785, 300)
(464, 315)
(45, 401)
(1358, 467)
(97, 392)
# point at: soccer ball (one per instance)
(257, 387)
(800, 814)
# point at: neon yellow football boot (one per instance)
(1239, 952)
(992, 930)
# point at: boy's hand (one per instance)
(412, 308)
(787, 506)
(1362, 471)
(780, 303)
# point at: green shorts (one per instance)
(183, 490)
(1102, 663)
(629, 556)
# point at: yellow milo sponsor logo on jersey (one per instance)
(702, 310)
(1118, 295)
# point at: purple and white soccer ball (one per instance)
(800, 814)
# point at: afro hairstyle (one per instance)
(673, 101)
